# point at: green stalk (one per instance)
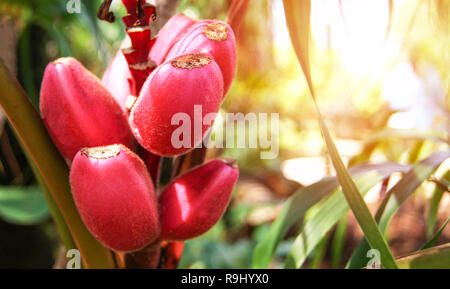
(63, 230)
(51, 166)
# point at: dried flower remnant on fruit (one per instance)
(213, 38)
(216, 31)
(103, 152)
(191, 61)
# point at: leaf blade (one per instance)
(23, 206)
(400, 192)
(433, 258)
(330, 212)
(302, 200)
(434, 204)
(433, 239)
(298, 21)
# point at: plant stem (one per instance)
(64, 232)
(147, 258)
(137, 22)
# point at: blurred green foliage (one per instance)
(23, 206)
(268, 80)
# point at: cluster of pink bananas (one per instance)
(95, 127)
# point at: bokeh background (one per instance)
(381, 73)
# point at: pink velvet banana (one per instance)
(117, 78)
(115, 196)
(169, 34)
(212, 37)
(192, 203)
(78, 111)
(179, 93)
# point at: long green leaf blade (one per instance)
(434, 204)
(302, 200)
(395, 197)
(433, 258)
(295, 207)
(298, 20)
(362, 214)
(338, 244)
(433, 239)
(330, 212)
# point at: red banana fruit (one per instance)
(192, 203)
(115, 197)
(169, 34)
(117, 79)
(212, 37)
(78, 111)
(180, 85)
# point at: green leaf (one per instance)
(433, 258)
(328, 213)
(414, 153)
(395, 197)
(418, 134)
(89, 19)
(319, 253)
(63, 229)
(236, 13)
(338, 244)
(23, 206)
(408, 185)
(433, 239)
(24, 51)
(297, 205)
(362, 214)
(298, 21)
(434, 204)
(59, 37)
(376, 138)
